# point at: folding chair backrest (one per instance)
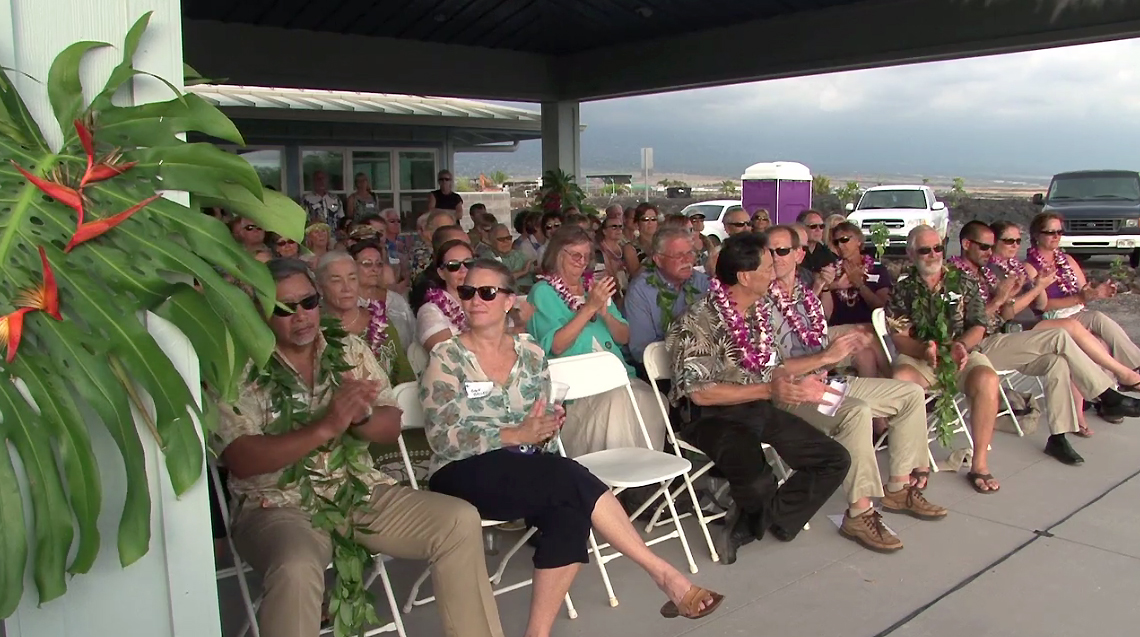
(596, 373)
(408, 399)
(417, 358)
(658, 366)
(879, 322)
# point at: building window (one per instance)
(417, 170)
(330, 161)
(376, 165)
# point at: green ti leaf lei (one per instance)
(931, 317)
(880, 236)
(667, 296)
(351, 604)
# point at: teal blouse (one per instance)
(551, 314)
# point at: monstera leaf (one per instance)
(87, 244)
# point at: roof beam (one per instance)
(862, 35)
(293, 58)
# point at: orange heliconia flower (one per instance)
(44, 298)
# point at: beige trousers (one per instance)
(903, 403)
(1109, 331)
(291, 556)
(608, 421)
(1054, 355)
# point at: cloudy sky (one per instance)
(1026, 114)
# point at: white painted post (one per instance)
(172, 589)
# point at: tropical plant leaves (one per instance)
(91, 367)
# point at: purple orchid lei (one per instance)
(810, 335)
(572, 301)
(753, 358)
(450, 308)
(1066, 278)
(971, 271)
(1012, 267)
(377, 331)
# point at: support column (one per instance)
(172, 589)
(561, 138)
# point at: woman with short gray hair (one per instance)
(338, 281)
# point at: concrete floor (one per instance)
(1056, 552)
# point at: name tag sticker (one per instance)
(872, 278)
(478, 389)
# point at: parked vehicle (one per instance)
(1101, 210)
(900, 209)
(714, 212)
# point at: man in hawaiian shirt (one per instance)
(321, 205)
(800, 329)
(923, 286)
(725, 380)
(271, 525)
(672, 275)
(1051, 353)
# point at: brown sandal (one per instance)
(691, 604)
(1084, 432)
(919, 475)
(985, 478)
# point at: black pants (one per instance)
(550, 492)
(731, 437)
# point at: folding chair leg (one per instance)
(1008, 407)
(381, 571)
(570, 610)
(498, 576)
(416, 591)
(602, 568)
(700, 515)
(965, 427)
(681, 532)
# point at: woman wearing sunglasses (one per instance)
(611, 243)
(860, 287)
(438, 314)
(636, 251)
(761, 220)
(338, 281)
(282, 247)
(1004, 263)
(491, 440)
(446, 198)
(575, 314)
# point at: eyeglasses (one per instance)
(289, 309)
(1052, 233)
(455, 266)
(736, 224)
(369, 263)
(577, 257)
(839, 240)
(815, 226)
(691, 254)
(504, 239)
(780, 252)
(249, 227)
(697, 217)
(552, 226)
(647, 220)
(614, 226)
(984, 247)
(485, 292)
(926, 250)
(1011, 241)
(284, 242)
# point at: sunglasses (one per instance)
(926, 250)
(553, 226)
(504, 239)
(647, 219)
(1011, 241)
(249, 227)
(454, 266)
(984, 247)
(815, 226)
(736, 224)
(780, 252)
(485, 292)
(284, 242)
(755, 219)
(369, 263)
(697, 217)
(289, 309)
(839, 240)
(1053, 233)
(615, 226)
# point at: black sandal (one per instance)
(919, 475)
(985, 478)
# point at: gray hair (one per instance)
(282, 268)
(495, 228)
(435, 215)
(327, 259)
(615, 210)
(384, 213)
(662, 237)
(912, 236)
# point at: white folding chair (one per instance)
(417, 358)
(625, 468)
(879, 322)
(408, 399)
(659, 367)
(240, 568)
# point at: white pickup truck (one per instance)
(900, 209)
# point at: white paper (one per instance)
(478, 388)
(872, 278)
(833, 401)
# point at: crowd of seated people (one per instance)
(765, 332)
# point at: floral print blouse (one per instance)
(464, 410)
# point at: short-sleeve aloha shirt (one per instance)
(910, 296)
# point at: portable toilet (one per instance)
(783, 188)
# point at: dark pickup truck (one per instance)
(1101, 209)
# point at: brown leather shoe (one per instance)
(910, 501)
(868, 529)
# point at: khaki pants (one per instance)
(903, 403)
(975, 359)
(1109, 331)
(291, 555)
(1056, 356)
